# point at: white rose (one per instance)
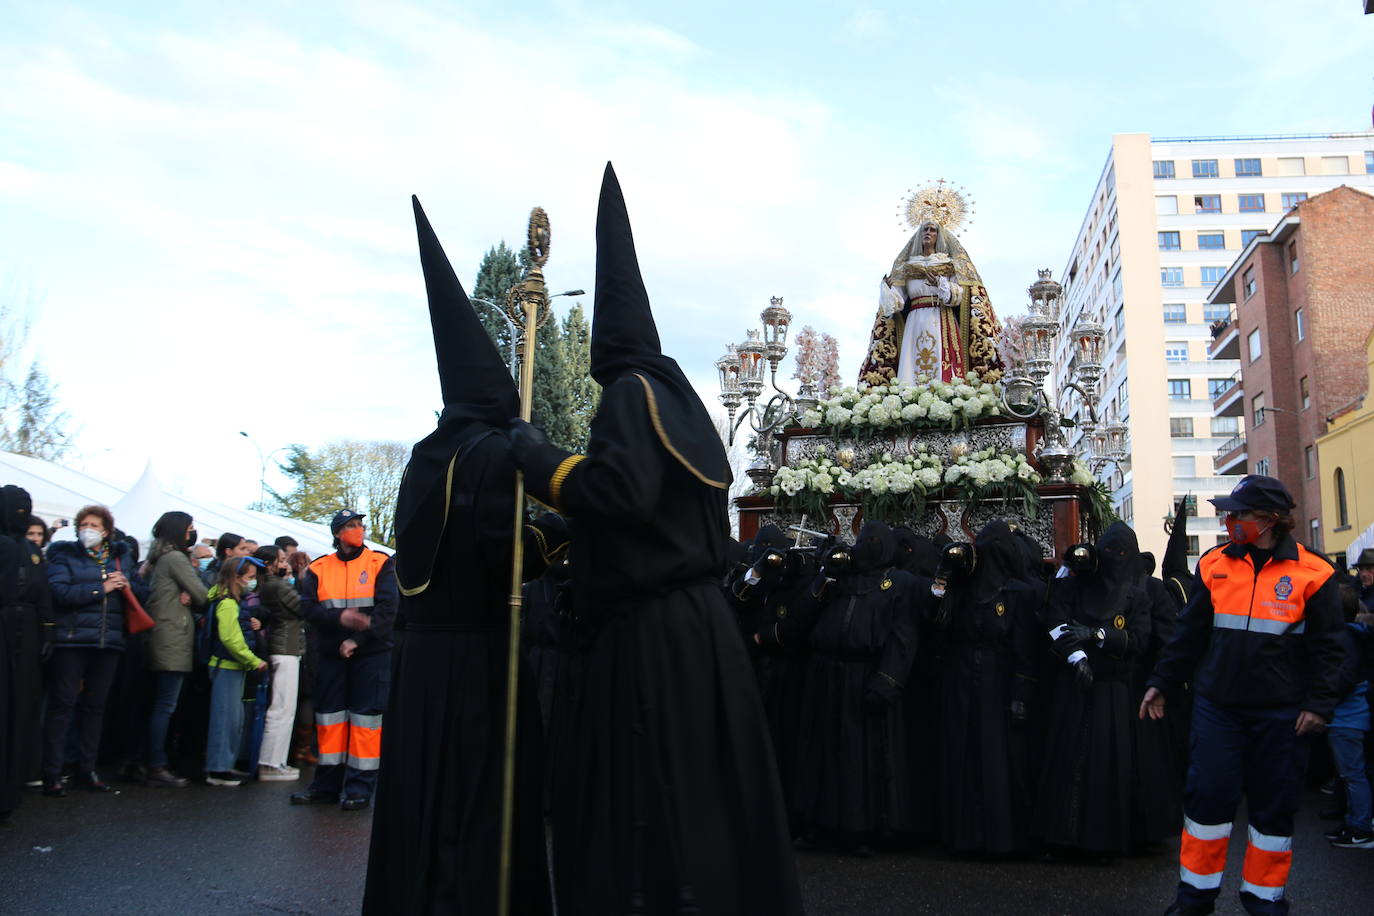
(811, 419)
(930, 477)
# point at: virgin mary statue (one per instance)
(935, 320)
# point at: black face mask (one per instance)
(193, 538)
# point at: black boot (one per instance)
(91, 781)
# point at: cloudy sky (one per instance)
(205, 206)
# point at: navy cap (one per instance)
(341, 518)
(1256, 492)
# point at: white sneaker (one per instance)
(222, 779)
(278, 773)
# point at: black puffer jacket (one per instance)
(86, 617)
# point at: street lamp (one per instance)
(515, 331)
(262, 468)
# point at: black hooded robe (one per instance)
(436, 830)
(666, 796)
(991, 642)
(780, 669)
(25, 609)
(853, 775)
(1161, 746)
(1086, 788)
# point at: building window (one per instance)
(1128, 506)
(1169, 241)
(1293, 198)
(1225, 426)
(1314, 528)
(1171, 276)
(1248, 235)
(1205, 168)
(1211, 276)
(1216, 311)
(1210, 241)
(1184, 466)
(1342, 511)
(1188, 504)
(1253, 342)
(1262, 467)
(1164, 168)
(1216, 387)
(1166, 205)
(1207, 203)
(1292, 258)
(1248, 281)
(1251, 203)
(1304, 393)
(1292, 166)
(1180, 427)
(1180, 389)
(1300, 324)
(1369, 162)
(1194, 545)
(1175, 313)
(1119, 321)
(1336, 165)
(1309, 462)
(1248, 168)
(1123, 397)
(1257, 410)
(1176, 351)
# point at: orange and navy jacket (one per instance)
(1259, 638)
(366, 582)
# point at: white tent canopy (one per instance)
(59, 493)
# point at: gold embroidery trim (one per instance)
(448, 498)
(560, 474)
(667, 443)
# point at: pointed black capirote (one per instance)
(472, 378)
(479, 398)
(625, 343)
(623, 329)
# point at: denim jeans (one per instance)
(166, 692)
(226, 719)
(1347, 747)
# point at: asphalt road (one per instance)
(246, 850)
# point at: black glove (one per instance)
(769, 568)
(1082, 674)
(526, 441)
(1017, 710)
(49, 638)
(882, 691)
(1081, 636)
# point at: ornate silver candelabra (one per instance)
(1024, 395)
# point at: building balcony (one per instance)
(1229, 401)
(1225, 339)
(1231, 458)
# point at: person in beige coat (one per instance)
(177, 593)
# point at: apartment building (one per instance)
(1165, 222)
(1302, 300)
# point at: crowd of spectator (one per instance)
(184, 664)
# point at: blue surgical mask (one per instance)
(290, 580)
(204, 563)
(251, 585)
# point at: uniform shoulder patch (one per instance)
(1001, 609)
(1119, 621)
(1283, 588)
(887, 583)
(782, 611)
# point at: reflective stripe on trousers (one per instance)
(364, 741)
(1267, 860)
(331, 730)
(1202, 854)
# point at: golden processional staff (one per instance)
(527, 305)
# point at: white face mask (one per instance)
(937, 588)
(90, 537)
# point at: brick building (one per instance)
(1302, 298)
